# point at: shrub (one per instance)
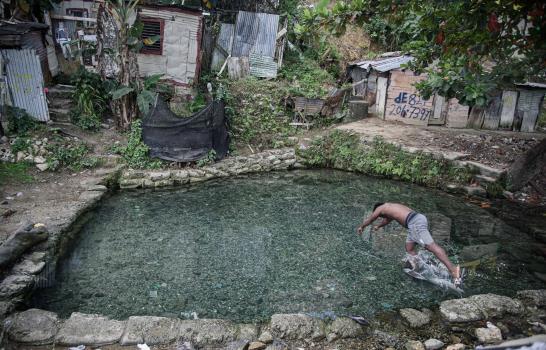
(135, 153)
(19, 121)
(344, 150)
(72, 156)
(91, 100)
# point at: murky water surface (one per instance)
(246, 248)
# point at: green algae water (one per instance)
(246, 248)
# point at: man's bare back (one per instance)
(394, 211)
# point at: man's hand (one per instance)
(377, 227)
(359, 230)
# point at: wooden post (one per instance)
(509, 102)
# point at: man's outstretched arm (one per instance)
(385, 222)
(369, 220)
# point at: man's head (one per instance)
(377, 205)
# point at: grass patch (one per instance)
(343, 150)
(15, 173)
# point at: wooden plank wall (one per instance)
(509, 103)
(529, 103)
(381, 97)
(492, 114)
(403, 101)
(457, 115)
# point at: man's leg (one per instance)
(410, 249)
(442, 256)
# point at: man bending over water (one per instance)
(417, 226)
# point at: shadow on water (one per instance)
(246, 248)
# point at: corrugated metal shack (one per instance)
(389, 89)
(177, 53)
(250, 42)
(27, 35)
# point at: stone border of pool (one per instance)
(47, 328)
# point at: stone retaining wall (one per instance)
(39, 327)
(279, 159)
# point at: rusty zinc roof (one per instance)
(384, 64)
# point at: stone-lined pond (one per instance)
(246, 248)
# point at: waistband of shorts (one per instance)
(410, 216)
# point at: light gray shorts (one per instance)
(418, 230)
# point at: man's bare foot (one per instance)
(457, 278)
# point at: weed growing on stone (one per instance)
(209, 158)
(74, 156)
(136, 152)
(343, 150)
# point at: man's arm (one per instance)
(385, 222)
(369, 220)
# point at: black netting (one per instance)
(186, 139)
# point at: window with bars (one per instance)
(152, 27)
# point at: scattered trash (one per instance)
(359, 319)
(153, 294)
(79, 347)
(143, 346)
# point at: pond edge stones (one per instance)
(271, 160)
(40, 327)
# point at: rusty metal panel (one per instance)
(528, 107)
(26, 82)
(262, 66)
(225, 38)
(384, 64)
(308, 106)
(255, 33)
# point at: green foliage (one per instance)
(343, 150)
(66, 154)
(19, 121)
(256, 110)
(91, 99)
(476, 46)
(306, 78)
(145, 93)
(15, 173)
(135, 153)
(208, 159)
(21, 144)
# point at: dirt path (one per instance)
(497, 149)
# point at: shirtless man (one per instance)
(417, 226)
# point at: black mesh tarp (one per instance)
(186, 139)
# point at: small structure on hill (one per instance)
(390, 90)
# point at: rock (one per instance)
(266, 337)
(386, 338)
(433, 344)
(33, 327)
(492, 305)
(414, 317)
(479, 251)
(234, 345)
(4, 139)
(39, 160)
(477, 191)
(208, 332)
(535, 297)
(256, 345)
(247, 332)
(42, 167)
(15, 285)
(414, 345)
(20, 156)
(29, 267)
(297, 326)
(460, 310)
(344, 327)
(150, 330)
(458, 346)
(93, 330)
(440, 227)
(98, 188)
(489, 335)
(161, 175)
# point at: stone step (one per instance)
(64, 103)
(60, 91)
(476, 191)
(59, 114)
(482, 179)
(483, 169)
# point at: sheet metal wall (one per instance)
(255, 33)
(26, 83)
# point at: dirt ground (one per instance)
(51, 195)
(498, 149)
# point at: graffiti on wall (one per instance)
(410, 106)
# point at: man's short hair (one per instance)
(377, 205)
